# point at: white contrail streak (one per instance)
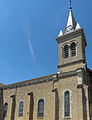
(27, 29)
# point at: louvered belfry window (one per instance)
(66, 51)
(73, 49)
(67, 104)
(21, 108)
(41, 108)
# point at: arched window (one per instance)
(66, 51)
(21, 108)
(73, 49)
(67, 104)
(5, 108)
(41, 108)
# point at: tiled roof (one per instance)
(26, 82)
(1, 85)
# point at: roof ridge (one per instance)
(34, 79)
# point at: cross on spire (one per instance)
(70, 3)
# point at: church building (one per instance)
(65, 95)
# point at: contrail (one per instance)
(31, 50)
(28, 33)
(27, 29)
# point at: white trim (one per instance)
(70, 92)
(73, 41)
(67, 43)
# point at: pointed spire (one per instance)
(60, 33)
(71, 23)
(78, 26)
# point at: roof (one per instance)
(1, 84)
(50, 78)
(71, 24)
(28, 82)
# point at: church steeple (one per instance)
(71, 45)
(71, 22)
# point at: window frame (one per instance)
(19, 108)
(38, 113)
(73, 50)
(70, 92)
(64, 52)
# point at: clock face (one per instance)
(69, 28)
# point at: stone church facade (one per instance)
(66, 95)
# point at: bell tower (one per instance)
(71, 46)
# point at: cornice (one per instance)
(67, 74)
(71, 35)
(28, 83)
(72, 63)
(54, 77)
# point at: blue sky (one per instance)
(28, 29)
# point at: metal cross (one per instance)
(70, 3)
